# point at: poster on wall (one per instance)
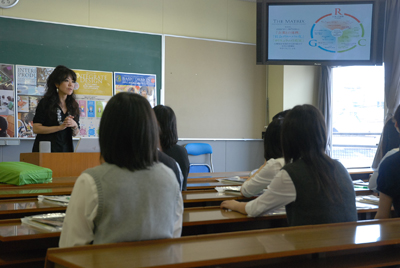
(30, 87)
(143, 84)
(7, 101)
(93, 90)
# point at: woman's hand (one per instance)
(70, 122)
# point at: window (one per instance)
(357, 114)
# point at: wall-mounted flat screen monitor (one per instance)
(321, 32)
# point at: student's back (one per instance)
(144, 200)
(314, 188)
(312, 207)
(131, 196)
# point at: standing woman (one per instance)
(314, 188)
(57, 114)
(169, 137)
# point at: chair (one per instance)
(200, 149)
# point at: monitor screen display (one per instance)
(320, 32)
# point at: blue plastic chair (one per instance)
(200, 149)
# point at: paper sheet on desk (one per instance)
(360, 182)
(51, 222)
(368, 199)
(235, 179)
(62, 200)
(223, 189)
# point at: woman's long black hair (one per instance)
(59, 74)
(304, 137)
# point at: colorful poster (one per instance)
(7, 102)
(82, 108)
(144, 84)
(30, 86)
(93, 90)
(93, 83)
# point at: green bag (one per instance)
(21, 173)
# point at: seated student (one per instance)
(373, 180)
(3, 127)
(130, 196)
(273, 164)
(172, 164)
(314, 188)
(169, 138)
(388, 180)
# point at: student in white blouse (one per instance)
(273, 161)
(314, 188)
(130, 196)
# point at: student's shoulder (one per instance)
(391, 161)
(276, 161)
(163, 170)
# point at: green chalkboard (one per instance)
(36, 43)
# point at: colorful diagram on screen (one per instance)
(337, 33)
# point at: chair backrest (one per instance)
(200, 149)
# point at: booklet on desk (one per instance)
(62, 200)
(360, 183)
(49, 222)
(368, 199)
(236, 180)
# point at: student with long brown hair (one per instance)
(314, 188)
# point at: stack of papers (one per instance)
(368, 199)
(234, 180)
(48, 222)
(360, 183)
(62, 200)
(224, 189)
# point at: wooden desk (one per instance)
(19, 208)
(217, 175)
(63, 164)
(355, 173)
(25, 200)
(371, 243)
(56, 182)
(33, 192)
(208, 185)
(196, 221)
(11, 207)
(207, 198)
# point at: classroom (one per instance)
(221, 35)
(205, 63)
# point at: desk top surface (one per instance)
(13, 229)
(232, 247)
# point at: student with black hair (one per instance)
(3, 127)
(57, 114)
(388, 179)
(314, 188)
(373, 179)
(273, 161)
(169, 138)
(130, 196)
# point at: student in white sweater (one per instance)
(130, 196)
(273, 161)
(314, 188)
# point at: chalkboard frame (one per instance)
(38, 43)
